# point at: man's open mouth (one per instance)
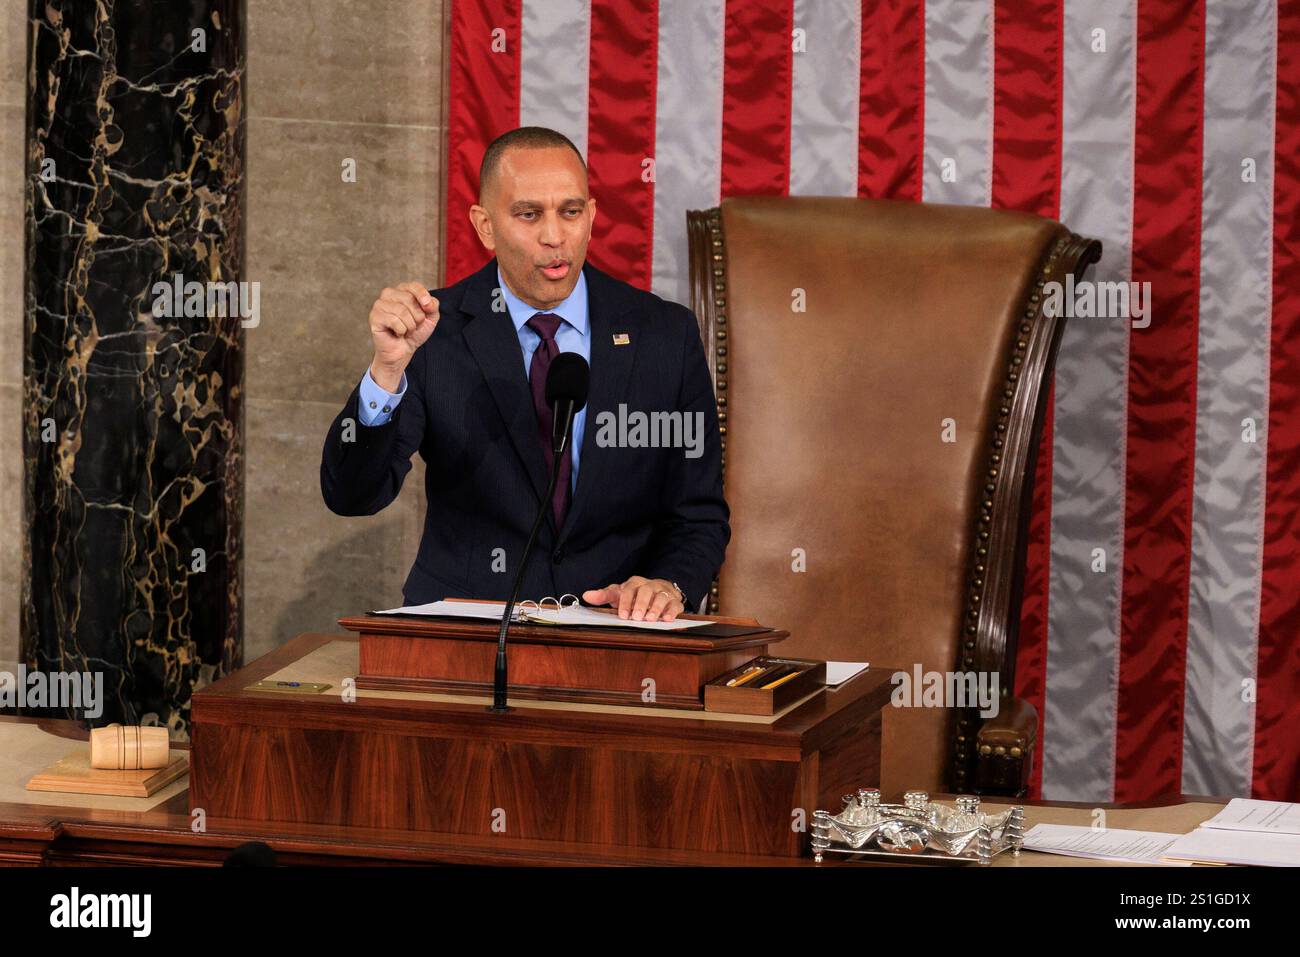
(556, 269)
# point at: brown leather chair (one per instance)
(919, 320)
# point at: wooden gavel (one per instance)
(128, 749)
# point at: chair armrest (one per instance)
(1004, 749)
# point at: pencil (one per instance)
(747, 675)
(780, 681)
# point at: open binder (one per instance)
(562, 613)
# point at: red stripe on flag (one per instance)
(1031, 646)
(1160, 457)
(1277, 707)
(1027, 80)
(758, 70)
(891, 103)
(1027, 77)
(483, 103)
(620, 136)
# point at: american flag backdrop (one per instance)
(1161, 625)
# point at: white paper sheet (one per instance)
(838, 672)
(1108, 844)
(573, 615)
(1212, 845)
(1245, 814)
(458, 609)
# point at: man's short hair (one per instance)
(525, 137)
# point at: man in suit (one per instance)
(638, 520)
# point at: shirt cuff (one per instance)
(376, 406)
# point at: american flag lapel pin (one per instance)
(621, 338)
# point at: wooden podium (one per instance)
(580, 760)
(601, 665)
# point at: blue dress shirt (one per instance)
(573, 335)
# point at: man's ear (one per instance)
(591, 220)
(482, 223)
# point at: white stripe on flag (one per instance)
(1090, 416)
(958, 102)
(1232, 387)
(688, 131)
(824, 99)
(554, 55)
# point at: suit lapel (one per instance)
(492, 340)
(608, 314)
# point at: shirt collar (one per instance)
(572, 310)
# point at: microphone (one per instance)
(567, 383)
(566, 394)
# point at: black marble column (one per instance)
(133, 431)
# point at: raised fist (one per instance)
(401, 320)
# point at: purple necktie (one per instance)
(545, 324)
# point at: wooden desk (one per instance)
(91, 830)
(34, 834)
(604, 775)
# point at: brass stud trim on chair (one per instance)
(984, 618)
(716, 319)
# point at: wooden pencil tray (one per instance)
(755, 700)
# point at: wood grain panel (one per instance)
(599, 778)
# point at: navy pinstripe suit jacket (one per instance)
(637, 510)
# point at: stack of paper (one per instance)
(1262, 833)
(1209, 845)
(1271, 817)
(1100, 844)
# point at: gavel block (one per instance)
(120, 762)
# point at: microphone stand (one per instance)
(560, 442)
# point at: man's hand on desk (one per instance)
(640, 599)
(400, 321)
